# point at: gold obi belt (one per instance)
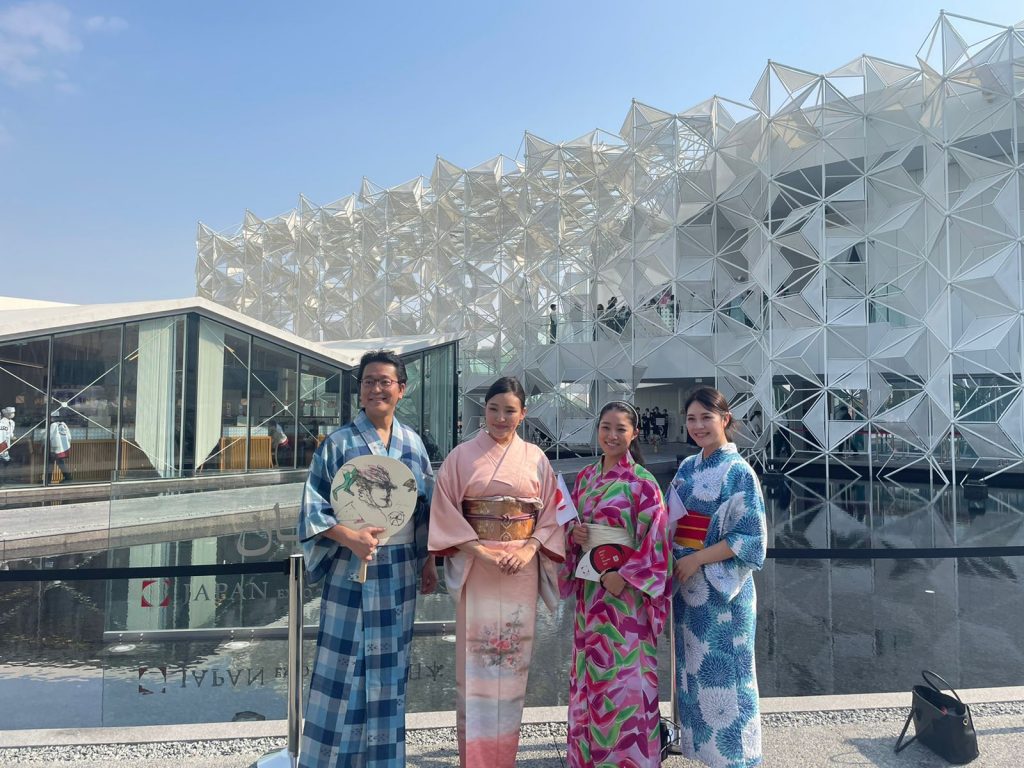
(501, 518)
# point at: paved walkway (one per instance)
(804, 732)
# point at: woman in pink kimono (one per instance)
(493, 519)
(614, 718)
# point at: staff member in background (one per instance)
(60, 445)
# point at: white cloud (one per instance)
(105, 24)
(38, 36)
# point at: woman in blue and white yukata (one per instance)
(714, 607)
(355, 716)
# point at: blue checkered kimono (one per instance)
(355, 715)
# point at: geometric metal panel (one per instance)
(842, 255)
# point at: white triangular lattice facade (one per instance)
(842, 256)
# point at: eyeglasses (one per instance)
(374, 383)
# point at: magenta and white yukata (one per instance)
(614, 718)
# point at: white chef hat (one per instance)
(7, 410)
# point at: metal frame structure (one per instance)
(841, 255)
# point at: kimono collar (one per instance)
(716, 454)
(624, 468)
(368, 432)
(488, 443)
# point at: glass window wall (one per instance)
(151, 399)
(273, 389)
(222, 399)
(24, 368)
(438, 401)
(84, 396)
(409, 410)
(319, 407)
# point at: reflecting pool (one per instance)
(83, 653)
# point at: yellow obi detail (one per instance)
(501, 518)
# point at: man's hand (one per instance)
(363, 542)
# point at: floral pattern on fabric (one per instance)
(502, 646)
(613, 688)
(715, 612)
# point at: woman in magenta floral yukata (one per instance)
(613, 686)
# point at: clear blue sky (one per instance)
(124, 123)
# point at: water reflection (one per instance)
(824, 626)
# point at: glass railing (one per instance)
(172, 608)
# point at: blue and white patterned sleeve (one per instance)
(315, 513)
(742, 526)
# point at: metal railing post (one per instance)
(295, 590)
(289, 757)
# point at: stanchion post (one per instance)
(289, 757)
(295, 589)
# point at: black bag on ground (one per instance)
(669, 738)
(942, 723)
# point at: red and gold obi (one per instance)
(501, 518)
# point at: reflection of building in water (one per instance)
(851, 237)
(172, 389)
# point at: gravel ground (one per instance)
(792, 740)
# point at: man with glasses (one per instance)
(355, 715)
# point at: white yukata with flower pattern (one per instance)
(715, 612)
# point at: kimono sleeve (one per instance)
(448, 527)
(741, 521)
(648, 568)
(425, 476)
(315, 512)
(548, 532)
(567, 581)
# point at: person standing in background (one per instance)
(60, 445)
(6, 439)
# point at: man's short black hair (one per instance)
(383, 356)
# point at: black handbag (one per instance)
(670, 734)
(942, 723)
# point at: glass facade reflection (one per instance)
(185, 395)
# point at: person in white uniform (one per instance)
(6, 439)
(60, 444)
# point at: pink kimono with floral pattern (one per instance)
(613, 682)
(495, 612)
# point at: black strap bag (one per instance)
(670, 734)
(942, 723)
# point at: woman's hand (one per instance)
(685, 567)
(485, 554)
(513, 562)
(580, 536)
(428, 577)
(613, 582)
